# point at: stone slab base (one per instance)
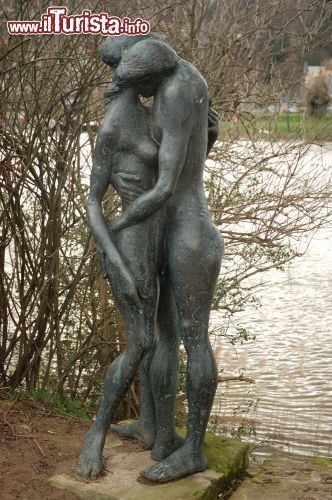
(227, 459)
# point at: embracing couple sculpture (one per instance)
(162, 255)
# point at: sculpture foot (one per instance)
(136, 430)
(90, 461)
(186, 460)
(162, 450)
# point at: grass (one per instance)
(40, 398)
(283, 126)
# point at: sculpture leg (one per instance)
(143, 429)
(118, 379)
(140, 332)
(158, 379)
(146, 237)
(194, 271)
(164, 373)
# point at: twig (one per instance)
(239, 378)
(38, 446)
(7, 423)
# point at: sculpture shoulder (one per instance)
(181, 95)
(109, 129)
(185, 84)
(189, 73)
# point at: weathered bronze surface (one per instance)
(162, 255)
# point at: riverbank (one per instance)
(301, 479)
(292, 126)
(35, 444)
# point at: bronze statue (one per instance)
(162, 255)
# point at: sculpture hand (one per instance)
(126, 186)
(116, 224)
(121, 280)
(123, 285)
(213, 124)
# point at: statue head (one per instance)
(114, 47)
(142, 61)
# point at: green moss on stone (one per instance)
(322, 461)
(226, 456)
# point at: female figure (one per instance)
(127, 157)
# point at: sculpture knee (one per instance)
(186, 328)
(146, 343)
(146, 338)
(194, 333)
(137, 348)
(169, 341)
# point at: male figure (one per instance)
(194, 245)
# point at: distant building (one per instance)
(329, 81)
(311, 72)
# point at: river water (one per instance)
(290, 403)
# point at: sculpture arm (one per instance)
(176, 130)
(99, 183)
(115, 267)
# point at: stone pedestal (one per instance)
(227, 460)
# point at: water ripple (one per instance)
(290, 359)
